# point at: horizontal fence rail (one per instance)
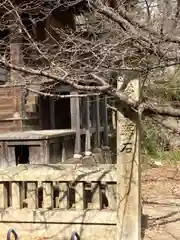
(59, 172)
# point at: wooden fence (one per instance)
(54, 200)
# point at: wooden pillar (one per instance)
(104, 122)
(52, 113)
(79, 195)
(104, 117)
(16, 195)
(32, 195)
(47, 195)
(3, 195)
(63, 195)
(45, 154)
(96, 121)
(16, 58)
(96, 201)
(128, 172)
(75, 124)
(88, 126)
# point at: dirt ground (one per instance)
(161, 203)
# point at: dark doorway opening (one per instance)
(59, 116)
(22, 154)
(62, 112)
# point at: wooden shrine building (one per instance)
(40, 129)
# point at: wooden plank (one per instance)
(128, 169)
(15, 77)
(75, 123)
(63, 152)
(32, 197)
(82, 111)
(34, 154)
(88, 126)
(3, 161)
(104, 117)
(79, 195)
(97, 121)
(35, 143)
(60, 172)
(111, 193)
(96, 201)
(59, 217)
(3, 195)
(63, 195)
(36, 135)
(11, 158)
(16, 195)
(45, 155)
(47, 195)
(23, 193)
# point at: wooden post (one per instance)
(16, 58)
(47, 195)
(63, 152)
(88, 126)
(79, 195)
(32, 195)
(111, 195)
(16, 195)
(63, 195)
(45, 154)
(128, 172)
(96, 196)
(96, 121)
(104, 122)
(75, 124)
(3, 196)
(52, 113)
(104, 117)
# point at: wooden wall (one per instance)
(9, 109)
(16, 112)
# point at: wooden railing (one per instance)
(73, 196)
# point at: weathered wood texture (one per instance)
(42, 147)
(75, 122)
(96, 119)
(35, 135)
(9, 105)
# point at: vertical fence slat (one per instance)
(96, 196)
(111, 195)
(63, 195)
(79, 195)
(32, 195)
(3, 195)
(23, 192)
(16, 195)
(47, 194)
(56, 194)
